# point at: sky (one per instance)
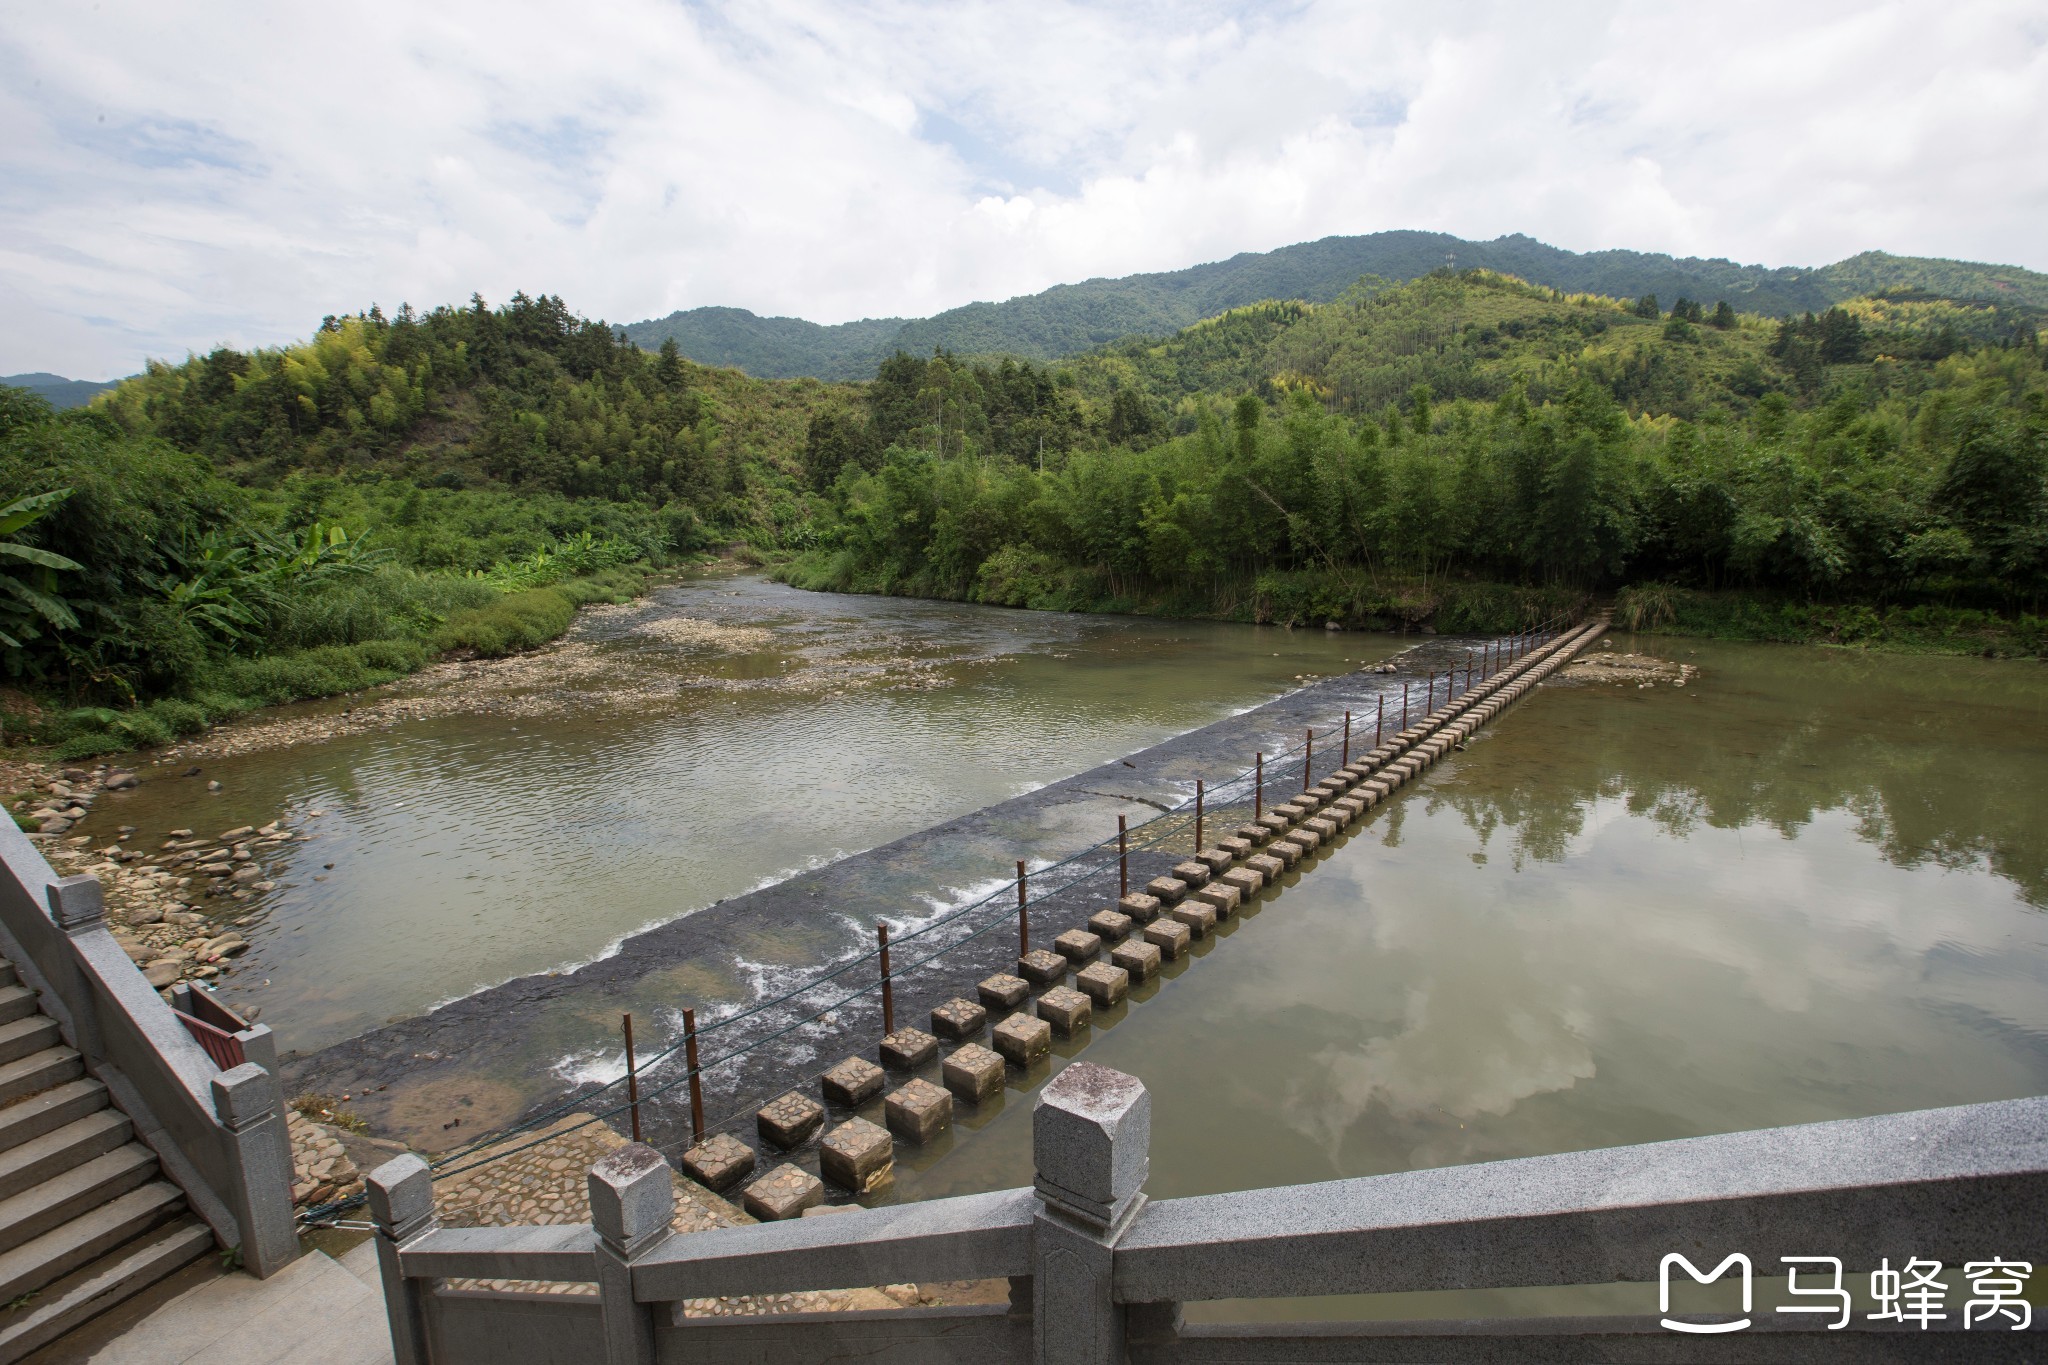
(178, 175)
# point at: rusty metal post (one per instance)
(1308, 760)
(632, 1078)
(1404, 706)
(1259, 787)
(1024, 911)
(1379, 723)
(888, 986)
(1123, 858)
(1198, 815)
(1346, 761)
(696, 1085)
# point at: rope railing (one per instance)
(1097, 859)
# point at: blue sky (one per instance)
(178, 175)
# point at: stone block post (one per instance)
(632, 1200)
(401, 1194)
(247, 1103)
(1090, 1142)
(78, 905)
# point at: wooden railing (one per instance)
(1098, 1274)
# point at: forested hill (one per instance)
(56, 390)
(1069, 319)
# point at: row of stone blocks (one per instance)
(1145, 929)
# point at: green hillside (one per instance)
(1070, 319)
(56, 390)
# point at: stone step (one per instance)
(8, 976)
(37, 1072)
(50, 1110)
(23, 1037)
(55, 1152)
(70, 1194)
(99, 1285)
(16, 1002)
(93, 1234)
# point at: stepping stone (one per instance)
(857, 1155)
(957, 1019)
(854, 1081)
(1285, 850)
(1140, 959)
(1247, 882)
(974, 1074)
(1254, 835)
(1236, 847)
(1065, 1008)
(1194, 874)
(1220, 898)
(1021, 1039)
(1112, 926)
(1169, 890)
(1267, 865)
(1041, 965)
(784, 1192)
(1102, 983)
(1200, 919)
(1003, 991)
(789, 1120)
(1169, 936)
(1324, 827)
(1215, 858)
(919, 1112)
(1140, 907)
(1306, 837)
(1275, 824)
(1292, 811)
(908, 1048)
(1078, 946)
(719, 1162)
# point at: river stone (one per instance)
(55, 824)
(161, 974)
(908, 1049)
(784, 1192)
(1041, 965)
(1065, 1008)
(1022, 1039)
(788, 1120)
(920, 1111)
(239, 831)
(1140, 907)
(247, 873)
(857, 1155)
(1169, 936)
(1003, 991)
(119, 782)
(1168, 890)
(853, 1081)
(1078, 946)
(1111, 926)
(974, 1074)
(719, 1162)
(957, 1019)
(149, 914)
(1103, 983)
(1141, 960)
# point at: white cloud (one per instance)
(178, 176)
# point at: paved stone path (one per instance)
(316, 1309)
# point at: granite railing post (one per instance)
(78, 905)
(247, 1103)
(631, 1202)
(401, 1194)
(1090, 1143)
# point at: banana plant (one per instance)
(28, 575)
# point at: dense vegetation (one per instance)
(1071, 319)
(1383, 458)
(244, 529)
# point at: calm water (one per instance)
(669, 766)
(1812, 885)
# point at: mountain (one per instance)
(1071, 318)
(58, 391)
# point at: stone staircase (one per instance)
(86, 1218)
